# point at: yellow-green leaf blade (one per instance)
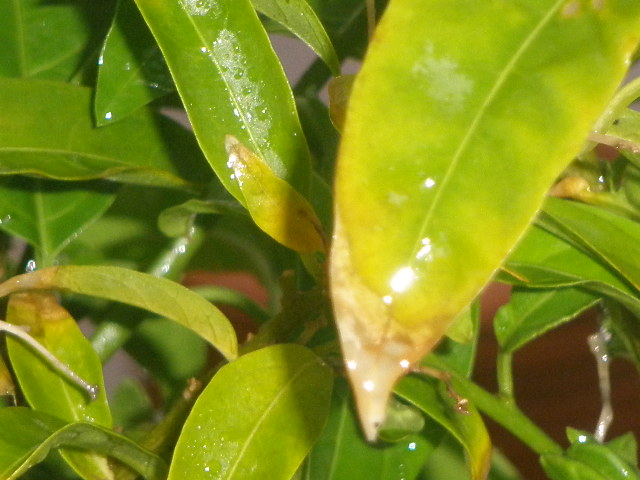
(453, 149)
(45, 389)
(279, 392)
(157, 295)
(276, 207)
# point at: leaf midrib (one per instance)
(493, 93)
(263, 417)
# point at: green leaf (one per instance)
(171, 353)
(299, 18)
(530, 313)
(613, 239)
(70, 148)
(342, 454)
(559, 467)
(178, 220)
(40, 433)
(48, 214)
(158, 295)
(282, 392)
(430, 396)
(230, 84)
(431, 137)
(45, 389)
(131, 69)
(276, 207)
(48, 40)
(584, 448)
(543, 260)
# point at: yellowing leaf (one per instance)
(275, 206)
(462, 116)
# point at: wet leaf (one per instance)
(45, 389)
(48, 214)
(282, 392)
(40, 433)
(431, 397)
(276, 207)
(70, 148)
(341, 452)
(131, 70)
(300, 19)
(47, 40)
(230, 84)
(530, 313)
(437, 132)
(158, 295)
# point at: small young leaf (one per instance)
(178, 220)
(47, 390)
(299, 18)
(280, 391)
(158, 295)
(276, 207)
(40, 433)
(131, 70)
(530, 313)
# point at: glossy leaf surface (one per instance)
(46, 390)
(48, 214)
(341, 452)
(431, 397)
(612, 238)
(530, 313)
(230, 84)
(543, 260)
(131, 69)
(436, 132)
(299, 18)
(282, 392)
(276, 207)
(47, 129)
(158, 295)
(40, 433)
(45, 39)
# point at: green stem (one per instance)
(507, 415)
(115, 330)
(505, 376)
(625, 97)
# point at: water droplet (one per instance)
(352, 364)
(197, 7)
(4, 220)
(412, 446)
(425, 250)
(429, 183)
(368, 385)
(405, 363)
(31, 266)
(402, 280)
(108, 115)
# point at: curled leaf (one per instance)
(275, 206)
